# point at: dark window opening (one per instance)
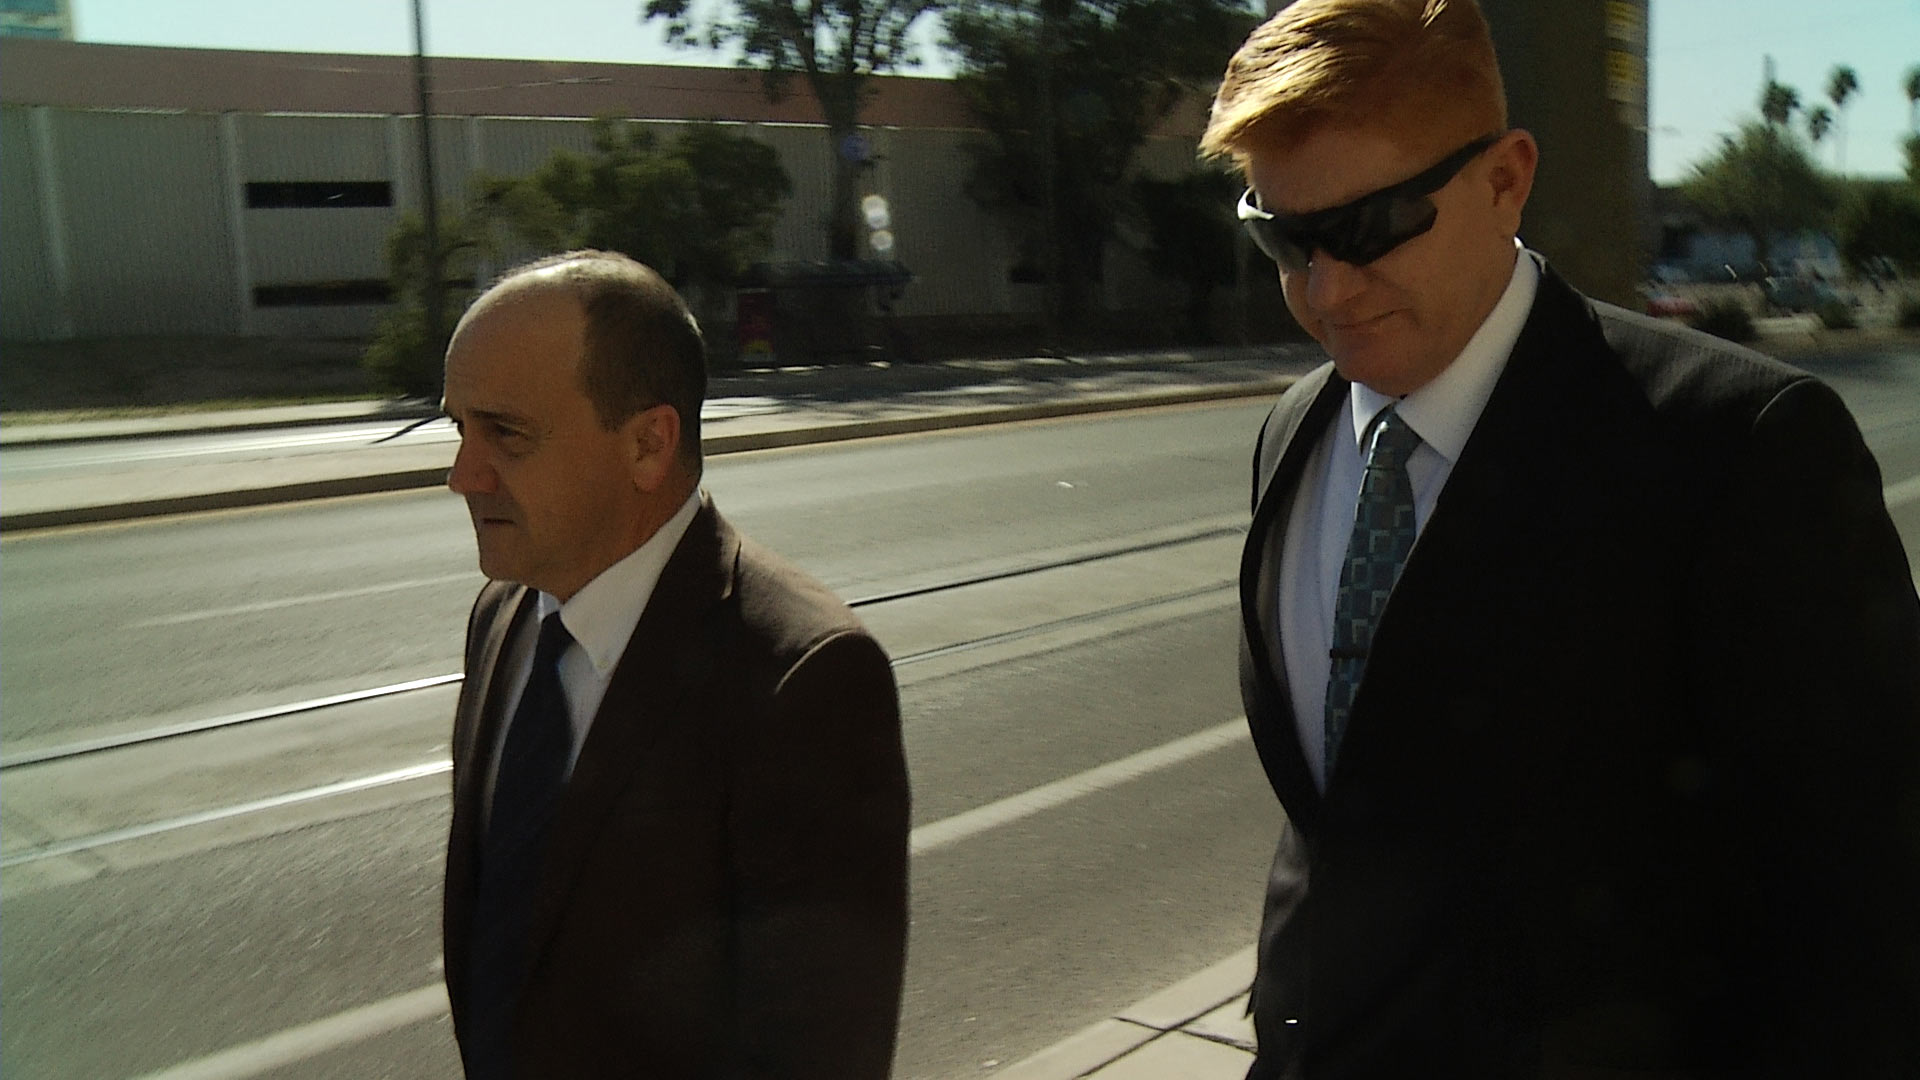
(323, 293)
(302, 194)
(335, 293)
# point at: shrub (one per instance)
(403, 357)
(1836, 315)
(1725, 318)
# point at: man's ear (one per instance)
(1510, 166)
(653, 436)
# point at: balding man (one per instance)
(679, 839)
(1580, 648)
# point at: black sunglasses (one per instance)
(1360, 231)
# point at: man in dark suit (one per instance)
(679, 841)
(1579, 648)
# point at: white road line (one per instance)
(939, 834)
(364, 436)
(296, 601)
(298, 1044)
(1903, 492)
(294, 1045)
(205, 817)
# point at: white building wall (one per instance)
(151, 215)
(146, 223)
(959, 253)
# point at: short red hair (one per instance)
(1424, 65)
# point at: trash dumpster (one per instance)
(824, 312)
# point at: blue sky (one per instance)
(1705, 63)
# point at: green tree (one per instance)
(1911, 147)
(1777, 103)
(835, 46)
(1842, 81)
(1879, 222)
(1819, 122)
(699, 209)
(1191, 231)
(1912, 87)
(1068, 91)
(405, 354)
(1762, 183)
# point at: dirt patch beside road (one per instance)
(173, 373)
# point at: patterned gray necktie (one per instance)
(1383, 532)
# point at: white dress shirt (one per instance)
(601, 617)
(1443, 413)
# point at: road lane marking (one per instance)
(294, 1045)
(206, 817)
(331, 1033)
(194, 727)
(949, 831)
(296, 601)
(1904, 492)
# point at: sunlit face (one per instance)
(552, 493)
(1398, 321)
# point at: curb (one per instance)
(719, 444)
(1101, 1044)
(369, 415)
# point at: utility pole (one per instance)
(1049, 184)
(434, 293)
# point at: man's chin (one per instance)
(1369, 370)
(496, 564)
(1388, 370)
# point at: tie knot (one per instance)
(1393, 441)
(554, 640)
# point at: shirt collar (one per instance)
(602, 615)
(1444, 411)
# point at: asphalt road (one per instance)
(231, 932)
(196, 939)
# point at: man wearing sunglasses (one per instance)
(1579, 648)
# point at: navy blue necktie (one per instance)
(1383, 531)
(533, 770)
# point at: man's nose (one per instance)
(471, 475)
(1332, 283)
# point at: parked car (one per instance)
(1799, 294)
(1669, 306)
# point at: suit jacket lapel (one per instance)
(477, 724)
(665, 666)
(1285, 446)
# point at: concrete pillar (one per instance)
(483, 269)
(1576, 77)
(233, 176)
(53, 220)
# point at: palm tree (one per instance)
(1819, 121)
(1841, 84)
(1777, 103)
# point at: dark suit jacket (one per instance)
(1632, 783)
(726, 881)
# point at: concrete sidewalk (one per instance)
(746, 411)
(1196, 1029)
